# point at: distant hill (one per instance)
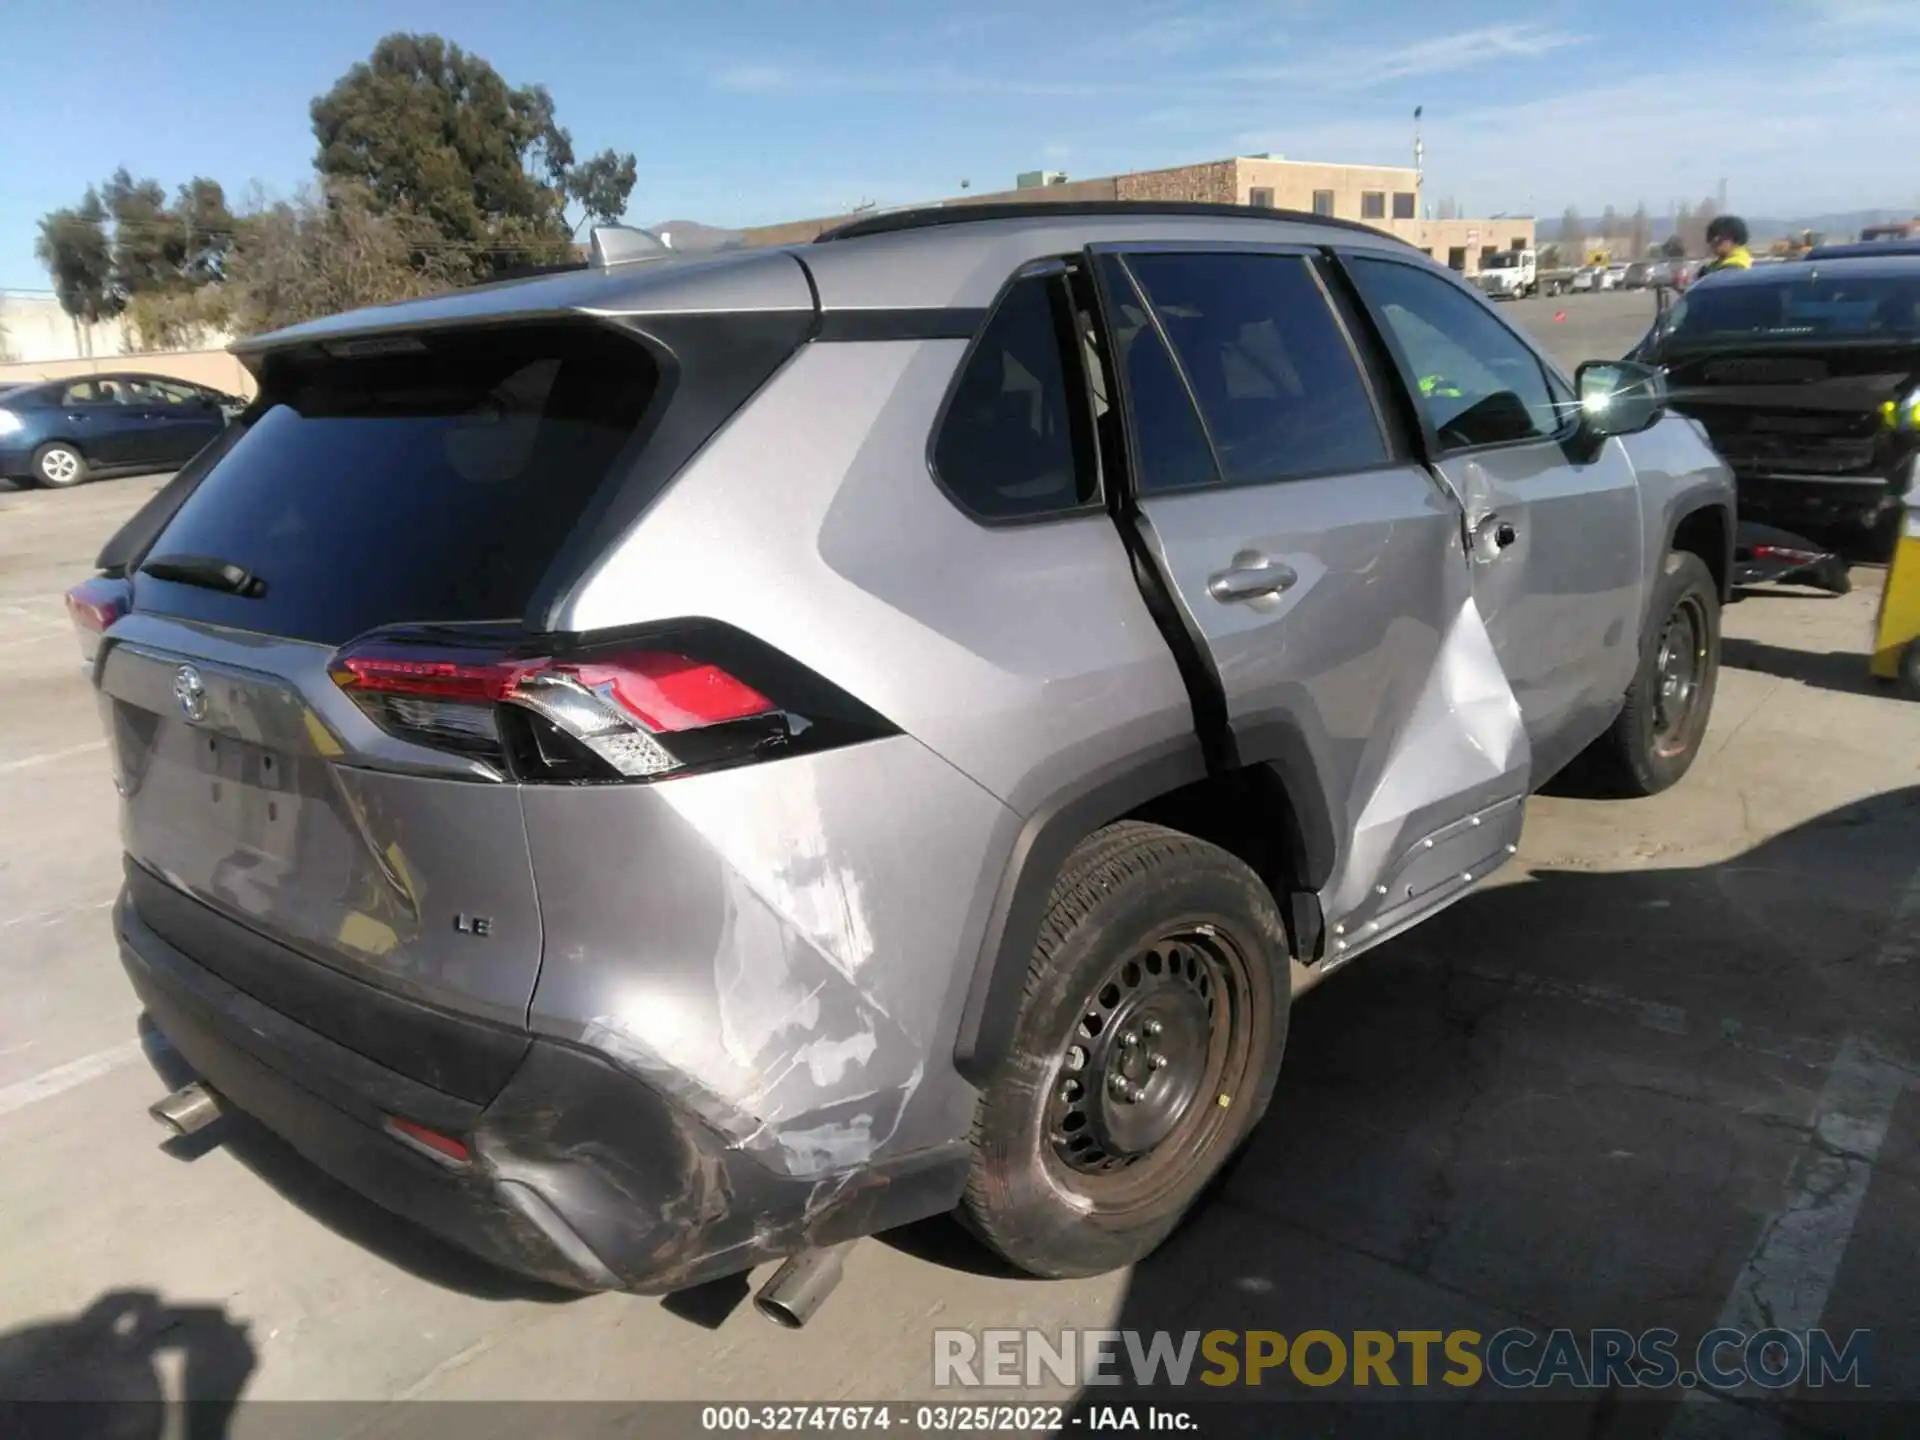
(693, 237)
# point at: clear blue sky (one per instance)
(744, 111)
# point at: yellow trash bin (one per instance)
(1896, 640)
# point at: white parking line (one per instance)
(1902, 941)
(61, 1078)
(47, 757)
(52, 632)
(58, 912)
(1788, 1277)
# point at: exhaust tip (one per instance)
(778, 1312)
(187, 1111)
(801, 1286)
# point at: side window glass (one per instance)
(1276, 380)
(81, 392)
(1008, 447)
(1171, 450)
(1477, 382)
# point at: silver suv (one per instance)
(695, 760)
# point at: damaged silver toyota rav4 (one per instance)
(696, 759)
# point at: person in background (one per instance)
(1727, 240)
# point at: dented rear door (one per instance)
(1321, 570)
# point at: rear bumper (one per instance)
(582, 1175)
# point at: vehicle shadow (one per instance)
(344, 1211)
(1844, 671)
(1575, 1100)
(97, 1373)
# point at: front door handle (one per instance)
(1252, 576)
(1495, 533)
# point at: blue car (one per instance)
(63, 432)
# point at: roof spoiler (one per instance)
(623, 245)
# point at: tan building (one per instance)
(1384, 196)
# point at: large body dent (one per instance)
(1461, 749)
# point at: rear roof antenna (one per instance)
(622, 245)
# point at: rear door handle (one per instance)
(1252, 576)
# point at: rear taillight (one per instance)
(690, 697)
(93, 605)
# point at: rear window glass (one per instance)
(433, 485)
(1279, 387)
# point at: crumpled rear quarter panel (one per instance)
(773, 947)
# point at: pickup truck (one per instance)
(1510, 275)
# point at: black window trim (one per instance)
(1080, 420)
(1398, 453)
(1409, 382)
(1121, 383)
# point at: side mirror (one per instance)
(1619, 397)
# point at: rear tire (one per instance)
(1146, 1049)
(59, 466)
(1656, 737)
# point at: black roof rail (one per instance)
(928, 216)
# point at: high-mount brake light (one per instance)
(638, 711)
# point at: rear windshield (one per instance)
(430, 485)
(1801, 304)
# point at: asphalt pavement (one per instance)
(1656, 1074)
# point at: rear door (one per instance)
(432, 487)
(1320, 567)
(184, 419)
(1554, 526)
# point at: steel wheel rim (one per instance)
(59, 466)
(1679, 671)
(1120, 1148)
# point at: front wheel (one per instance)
(1656, 737)
(58, 466)
(1146, 1049)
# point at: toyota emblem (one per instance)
(191, 692)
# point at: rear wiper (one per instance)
(208, 573)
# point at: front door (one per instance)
(1321, 568)
(104, 427)
(1553, 520)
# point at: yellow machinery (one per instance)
(1896, 639)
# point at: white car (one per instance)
(1616, 277)
(1587, 280)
